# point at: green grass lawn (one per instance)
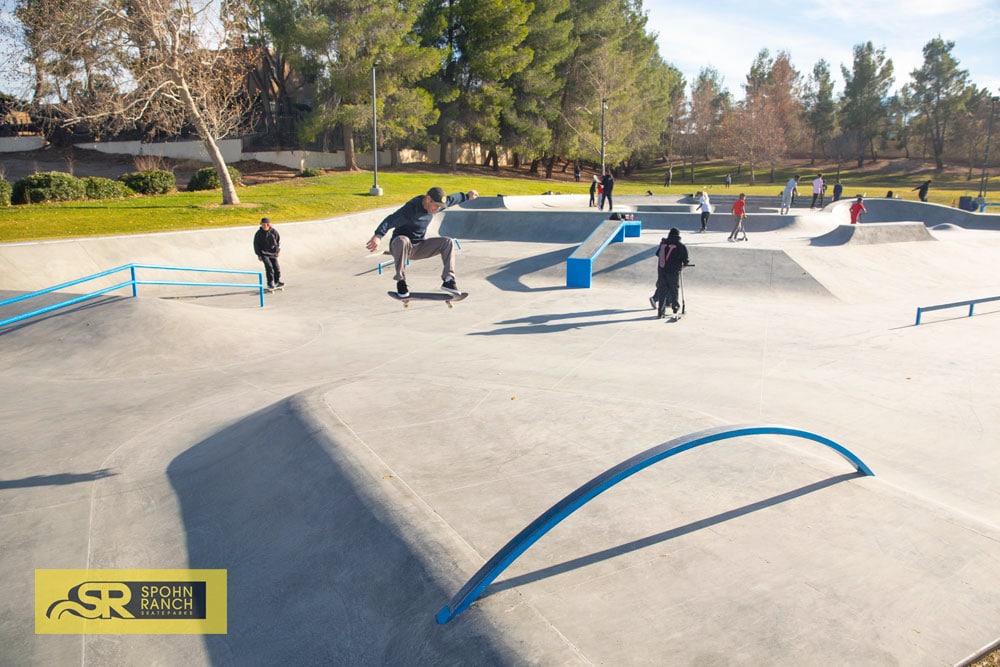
(344, 192)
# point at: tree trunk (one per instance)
(549, 166)
(229, 196)
(350, 160)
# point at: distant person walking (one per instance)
(705, 205)
(740, 212)
(609, 187)
(593, 191)
(838, 190)
(788, 194)
(729, 180)
(267, 247)
(818, 186)
(668, 178)
(922, 190)
(577, 172)
(857, 208)
(671, 258)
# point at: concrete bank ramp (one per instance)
(529, 226)
(741, 270)
(874, 233)
(330, 558)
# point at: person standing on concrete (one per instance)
(267, 247)
(922, 190)
(671, 258)
(788, 194)
(838, 190)
(857, 208)
(609, 187)
(409, 224)
(818, 186)
(740, 211)
(593, 191)
(705, 206)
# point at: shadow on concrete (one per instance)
(539, 324)
(508, 278)
(318, 573)
(57, 479)
(666, 535)
(45, 300)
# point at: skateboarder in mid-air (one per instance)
(409, 224)
(671, 258)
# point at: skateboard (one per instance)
(447, 297)
(272, 290)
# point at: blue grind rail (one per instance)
(580, 265)
(971, 303)
(132, 282)
(471, 591)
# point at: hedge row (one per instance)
(59, 186)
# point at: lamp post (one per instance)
(604, 107)
(375, 191)
(986, 156)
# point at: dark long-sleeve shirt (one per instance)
(266, 243)
(411, 219)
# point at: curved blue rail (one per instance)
(544, 523)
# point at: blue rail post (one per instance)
(135, 290)
(551, 517)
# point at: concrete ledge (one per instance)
(580, 265)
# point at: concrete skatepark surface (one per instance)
(352, 463)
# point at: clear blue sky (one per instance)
(728, 34)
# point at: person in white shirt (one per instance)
(788, 194)
(819, 185)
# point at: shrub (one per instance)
(207, 179)
(150, 182)
(311, 172)
(5, 191)
(47, 186)
(105, 188)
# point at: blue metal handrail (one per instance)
(551, 517)
(132, 282)
(971, 303)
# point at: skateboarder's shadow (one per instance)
(542, 323)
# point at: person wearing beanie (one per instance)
(409, 224)
(267, 247)
(671, 258)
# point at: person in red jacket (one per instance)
(857, 208)
(740, 211)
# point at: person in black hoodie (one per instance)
(671, 258)
(267, 247)
(409, 224)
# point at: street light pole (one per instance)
(604, 107)
(986, 156)
(375, 191)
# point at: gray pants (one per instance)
(403, 249)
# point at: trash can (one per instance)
(967, 203)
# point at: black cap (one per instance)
(674, 233)
(265, 221)
(437, 195)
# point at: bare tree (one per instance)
(164, 64)
(753, 133)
